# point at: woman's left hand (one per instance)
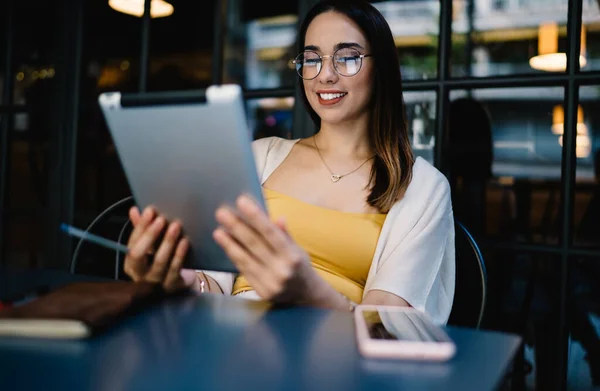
(274, 265)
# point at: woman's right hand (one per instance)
(166, 266)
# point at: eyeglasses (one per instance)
(346, 61)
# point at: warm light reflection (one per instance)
(548, 58)
(583, 145)
(276, 103)
(558, 120)
(280, 20)
(158, 8)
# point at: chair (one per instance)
(125, 202)
(471, 281)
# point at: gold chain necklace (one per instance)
(336, 177)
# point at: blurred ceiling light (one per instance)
(558, 121)
(548, 58)
(158, 8)
(20, 76)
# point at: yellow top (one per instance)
(341, 245)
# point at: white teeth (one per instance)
(332, 96)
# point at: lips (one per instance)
(328, 98)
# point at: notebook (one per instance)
(78, 310)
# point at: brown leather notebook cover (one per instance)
(77, 310)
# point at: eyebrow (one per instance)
(341, 45)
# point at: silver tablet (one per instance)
(186, 153)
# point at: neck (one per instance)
(345, 140)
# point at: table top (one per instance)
(227, 343)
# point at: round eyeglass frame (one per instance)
(331, 56)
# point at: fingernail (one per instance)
(159, 221)
(246, 202)
(217, 234)
(174, 229)
(221, 214)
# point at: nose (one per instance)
(328, 74)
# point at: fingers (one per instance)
(242, 259)
(142, 222)
(136, 263)
(260, 222)
(169, 257)
(281, 223)
(147, 237)
(174, 280)
(134, 215)
(244, 234)
(162, 258)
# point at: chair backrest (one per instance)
(471, 281)
(125, 202)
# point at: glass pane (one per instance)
(584, 320)
(25, 239)
(587, 192)
(420, 113)
(3, 17)
(415, 26)
(505, 163)
(270, 117)
(25, 215)
(522, 296)
(260, 44)
(110, 63)
(28, 168)
(35, 47)
(181, 47)
(591, 34)
(110, 55)
(505, 37)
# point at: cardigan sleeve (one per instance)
(418, 263)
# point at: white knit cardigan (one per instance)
(414, 258)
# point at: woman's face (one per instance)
(336, 98)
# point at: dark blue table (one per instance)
(223, 343)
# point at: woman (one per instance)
(353, 216)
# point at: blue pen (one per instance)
(83, 235)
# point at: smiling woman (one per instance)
(352, 217)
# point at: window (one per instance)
(508, 40)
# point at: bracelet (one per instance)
(351, 304)
(209, 289)
(201, 284)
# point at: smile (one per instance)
(330, 98)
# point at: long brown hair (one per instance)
(392, 168)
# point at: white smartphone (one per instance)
(400, 333)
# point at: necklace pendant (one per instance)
(335, 178)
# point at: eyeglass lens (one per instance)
(347, 62)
